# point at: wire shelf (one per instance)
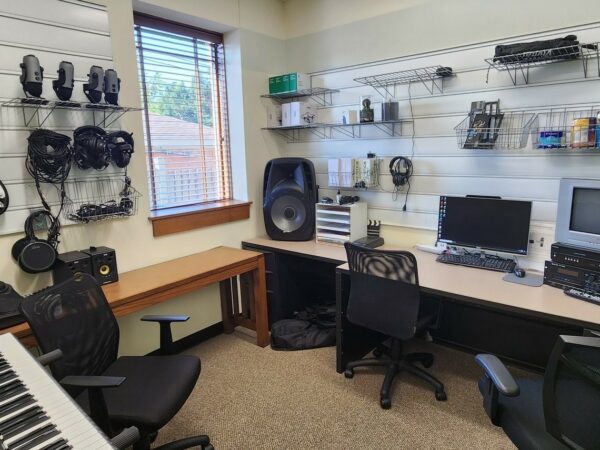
(518, 64)
(569, 128)
(508, 131)
(432, 78)
(92, 200)
(323, 96)
(37, 110)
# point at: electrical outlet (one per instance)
(540, 237)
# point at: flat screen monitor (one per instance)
(485, 223)
(578, 213)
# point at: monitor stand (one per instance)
(530, 279)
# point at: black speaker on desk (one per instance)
(69, 264)
(289, 197)
(104, 264)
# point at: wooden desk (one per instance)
(141, 288)
(478, 303)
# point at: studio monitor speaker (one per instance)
(289, 197)
(104, 264)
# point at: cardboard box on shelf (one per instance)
(302, 113)
(274, 115)
(349, 116)
(286, 118)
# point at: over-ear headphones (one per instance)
(120, 146)
(4, 200)
(90, 149)
(36, 255)
(401, 169)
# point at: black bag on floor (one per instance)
(314, 327)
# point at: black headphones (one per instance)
(401, 169)
(36, 255)
(120, 147)
(90, 149)
(3, 198)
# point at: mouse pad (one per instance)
(531, 279)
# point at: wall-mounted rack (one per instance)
(510, 131)
(37, 111)
(333, 131)
(432, 77)
(322, 96)
(569, 129)
(517, 65)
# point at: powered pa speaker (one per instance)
(289, 197)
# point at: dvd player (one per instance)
(575, 256)
(564, 276)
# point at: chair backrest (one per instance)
(384, 290)
(75, 317)
(572, 392)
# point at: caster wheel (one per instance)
(349, 373)
(385, 403)
(378, 352)
(427, 362)
(208, 447)
(440, 396)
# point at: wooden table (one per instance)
(141, 288)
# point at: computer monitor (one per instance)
(578, 216)
(485, 223)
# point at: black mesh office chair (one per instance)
(141, 391)
(385, 297)
(559, 411)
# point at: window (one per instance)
(182, 79)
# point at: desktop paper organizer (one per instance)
(337, 224)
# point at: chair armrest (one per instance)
(88, 381)
(161, 319)
(497, 372)
(126, 438)
(48, 358)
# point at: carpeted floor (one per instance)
(253, 398)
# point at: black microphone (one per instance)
(64, 85)
(95, 86)
(112, 86)
(32, 75)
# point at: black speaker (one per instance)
(69, 264)
(104, 264)
(289, 197)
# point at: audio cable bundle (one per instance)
(401, 170)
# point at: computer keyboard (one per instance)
(497, 264)
(588, 296)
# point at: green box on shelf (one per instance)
(285, 85)
(276, 85)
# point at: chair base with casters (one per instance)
(396, 363)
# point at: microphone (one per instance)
(112, 86)
(95, 86)
(32, 75)
(64, 85)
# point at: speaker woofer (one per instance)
(288, 213)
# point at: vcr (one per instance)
(575, 256)
(562, 276)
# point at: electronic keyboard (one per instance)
(35, 412)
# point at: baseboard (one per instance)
(194, 338)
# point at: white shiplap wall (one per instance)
(54, 31)
(441, 167)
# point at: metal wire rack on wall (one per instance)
(505, 131)
(91, 200)
(432, 77)
(569, 128)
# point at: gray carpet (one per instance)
(253, 398)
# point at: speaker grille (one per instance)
(288, 213)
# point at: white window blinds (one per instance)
(182, 79)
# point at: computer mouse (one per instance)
(519, 272)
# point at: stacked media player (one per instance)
(572, 267)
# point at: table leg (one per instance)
(226, 306)
(259, 285)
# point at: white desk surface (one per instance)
(464, 282)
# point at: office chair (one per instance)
(141, 391)
(560, 410)
(385, 297)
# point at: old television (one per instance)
(578, 214)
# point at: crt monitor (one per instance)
(485, 223)
(578, 213)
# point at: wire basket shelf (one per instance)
(518, 64)
(569, 128)
(505, 131)
(92, 200)
(432, 78)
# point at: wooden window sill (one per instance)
(185, 218)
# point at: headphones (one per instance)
(120, 147)
(36, 255)
(3, 198)
(401, 169)
(90, 149)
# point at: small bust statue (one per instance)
(366, 113)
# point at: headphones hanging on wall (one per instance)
(120, 147)
(90, 149)
(3, 198)
(401, 169)
(36, 255)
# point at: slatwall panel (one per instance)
(54, 31)
(441, 167)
